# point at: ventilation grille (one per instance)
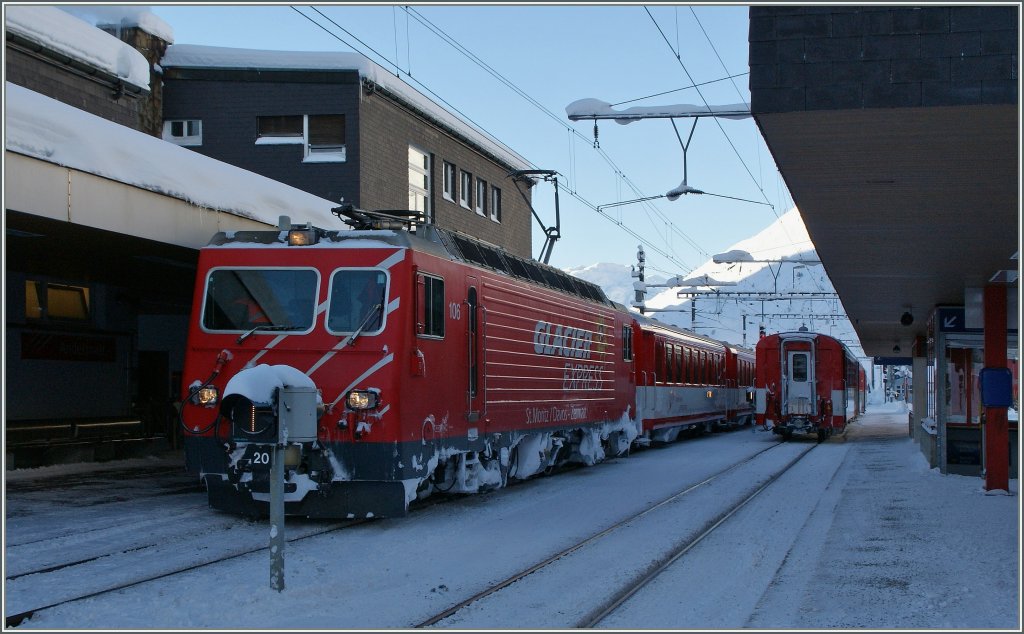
(498, 259)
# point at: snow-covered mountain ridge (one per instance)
(785, 267)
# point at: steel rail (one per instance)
(596, 616)
(596, 536)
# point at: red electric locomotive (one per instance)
(437, 362)
(807, 383)
(440, 362)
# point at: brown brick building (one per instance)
(344, 129)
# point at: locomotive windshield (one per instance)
(243, 299)
(357, 300)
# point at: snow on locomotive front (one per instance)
(434, 369)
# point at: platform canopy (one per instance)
(907, 207)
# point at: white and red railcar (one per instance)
(441, 363)
(807, 383)
(689, 382)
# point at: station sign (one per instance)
(950, 319)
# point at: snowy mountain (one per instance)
(615, 279)
(784, 264)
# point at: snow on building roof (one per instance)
(62, 32)
(197, 56)
(55, 132)
(123, 16)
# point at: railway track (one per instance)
(598, 614)
(595, 615)
(146, 555)
(17, 618)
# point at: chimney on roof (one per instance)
(152, 47)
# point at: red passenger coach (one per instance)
(688, 382)
(807, 383)
(439, 363)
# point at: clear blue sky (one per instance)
(556, 55)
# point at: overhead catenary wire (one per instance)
(501, 78)
(651, 209)
(708, 106)
(690, 87)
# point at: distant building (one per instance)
(342, 128)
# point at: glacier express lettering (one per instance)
(581, 376)
(562, 341)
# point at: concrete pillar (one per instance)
(997, 435)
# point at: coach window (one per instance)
(358, 301)
(627, 343)
(799, 370)
(430, 306)
(659, 360)
(676, 378)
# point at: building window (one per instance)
(495, 204)
(481, 197)
(325, 138)
(44, 300)
(286, 129)
(419, 182)
(449, 181)
(431, 312)
(187, 132)
(465, 189)
(322, 135)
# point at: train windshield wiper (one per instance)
(245, 336)
(358, 331)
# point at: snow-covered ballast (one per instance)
(440, 363)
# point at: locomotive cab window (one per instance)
(358, 301)
(627, 343)
(271, 299)
(430, 311)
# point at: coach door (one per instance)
(799, 398)
(474, 383)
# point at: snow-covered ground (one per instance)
(862, 534)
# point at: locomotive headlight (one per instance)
(207, 396)
(361, 400)
(302, 237)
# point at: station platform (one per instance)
(904, 546)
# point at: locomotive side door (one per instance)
(799, 398)
(474, 383)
